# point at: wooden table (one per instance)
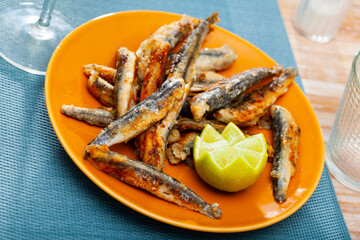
(324, 70)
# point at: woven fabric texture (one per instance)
(43, 195)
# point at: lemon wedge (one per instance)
(229, 161)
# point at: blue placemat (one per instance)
(44, 195)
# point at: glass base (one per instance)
(340, 175)
(25, 44)
(312, 37)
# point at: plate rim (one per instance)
(146, 212)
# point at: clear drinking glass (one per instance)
(342, 152)
(27, 38)
(320, 20)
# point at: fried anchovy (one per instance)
(184, 124)
(166, 36)
(125, 83)
(155, 70)
(141, 175)
(254, 105)
(190, 50)
(105, 72)
(181, 150)
(142, 115)
(155, 152)
(286, 140)
(101, 90)
(225, 91)
(100, 117)
(204, 80)
(151, 67)
(216, 59)
(209, 60)
(174, 32)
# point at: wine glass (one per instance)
(27, 39)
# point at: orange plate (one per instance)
(97, 42)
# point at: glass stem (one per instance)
(45, 16)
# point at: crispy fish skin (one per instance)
(151, 67)
(216, 59)
(105, 72)
(181, 150)
(156, 139)
(101, 90)
(176, 31)
(125, 82)
(225, 91)
(152, 80)
(255, 104)
(189, 52)
(138, 174)
(173, 60)
(184, 124)
(143, 53)
(144, 141)
(204, 80)
(155, 152)
(155, 70)
(286, 140)
(100, 117)
(170, 34)
(142, 115)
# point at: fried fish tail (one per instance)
(100, 117)
(125, 83)
(286, 140)
(146, 177)
(255, 104)
(225, 91)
